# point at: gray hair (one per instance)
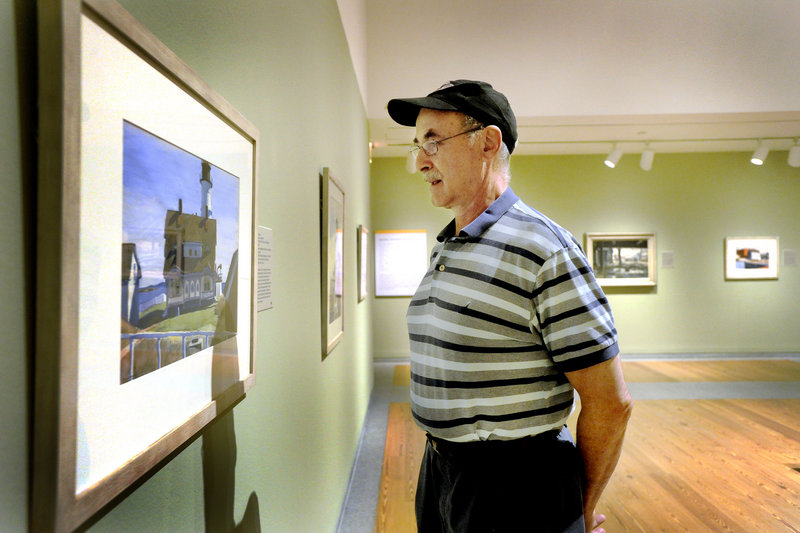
(502, 161)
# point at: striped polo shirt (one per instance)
(506, 307)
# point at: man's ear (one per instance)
(492, 141)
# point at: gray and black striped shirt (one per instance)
(506, 308)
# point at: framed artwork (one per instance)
(146, 176)
(751, 258)
(332, 268)
(363, 256)
(622, 259)
(401, 260)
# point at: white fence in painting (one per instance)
(204, 337)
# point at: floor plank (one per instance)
(405, 444)
(402, 376)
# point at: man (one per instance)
(506, 324)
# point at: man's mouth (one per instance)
(433, 178)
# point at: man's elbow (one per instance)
(616, 408)
(624, 408)
(611, 411)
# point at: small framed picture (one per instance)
(623, 259)
(363, 253)
(332, 268)
(751, 258)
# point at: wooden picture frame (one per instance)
(623, 259)
(96, 434)
(332, 261)
(751, 258)
(363, 262)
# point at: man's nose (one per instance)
(423, 161)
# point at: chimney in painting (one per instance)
(205, 193)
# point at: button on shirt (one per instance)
(506, 308)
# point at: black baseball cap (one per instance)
(474, 98)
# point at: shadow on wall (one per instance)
(219, 438)
(219, 467)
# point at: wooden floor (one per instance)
(688, 465)
(405, 444)
(716, 370)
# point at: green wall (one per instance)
(281, 460)
(691, 201)
(15, 329)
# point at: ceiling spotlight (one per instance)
(613, 158)
(794, 154)
(760, 154)
(646, 161)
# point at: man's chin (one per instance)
(437, 202)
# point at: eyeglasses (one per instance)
(432, 146)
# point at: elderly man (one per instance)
(507, 323)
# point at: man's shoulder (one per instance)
(525, 226)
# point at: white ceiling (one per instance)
(582, 75)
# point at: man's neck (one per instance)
(465, 217)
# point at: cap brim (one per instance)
(404, 111)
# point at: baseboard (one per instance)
(391, 357)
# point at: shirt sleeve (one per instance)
(572, 313)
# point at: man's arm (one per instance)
(605, 409)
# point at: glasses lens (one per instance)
(430, 147)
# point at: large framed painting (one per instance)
(332, 267)
(622, 259)
(750, 258)
(146, 177)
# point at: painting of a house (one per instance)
(190, 241)
(178, 254)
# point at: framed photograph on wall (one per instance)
(146, 177)
(362, 257)
(332, 268)
(622, 259)
(751, 258)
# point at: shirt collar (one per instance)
(492, 214)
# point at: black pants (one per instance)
(526, 485)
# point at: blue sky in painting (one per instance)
(155, 174)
